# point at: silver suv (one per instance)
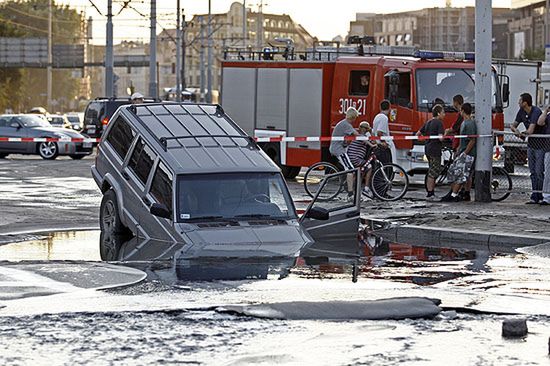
(183, 181)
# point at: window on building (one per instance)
(359, 82)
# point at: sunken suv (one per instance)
(183, 181)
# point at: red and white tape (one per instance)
(362, 138)
(265, 139)
(47, 139)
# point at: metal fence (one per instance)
(526, 159)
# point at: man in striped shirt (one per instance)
(359, 151)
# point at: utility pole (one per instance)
(245, 35)
(109, 58)
(201, 58)
(183, 51)
(50, 58)
(153, 86)
(483, 98)
(178, 52)
(260, 26)
(209, 93)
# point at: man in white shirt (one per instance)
(385, 152)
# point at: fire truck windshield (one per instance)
(444, 84)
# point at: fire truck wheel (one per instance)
(290, 172)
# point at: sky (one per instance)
(324, 19)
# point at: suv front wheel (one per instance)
(112, 229)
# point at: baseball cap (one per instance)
(364, 124)
(137, 96)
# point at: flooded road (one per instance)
(166, 319)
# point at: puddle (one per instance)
(68, 245)
(369, 258)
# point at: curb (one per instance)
(459, 238)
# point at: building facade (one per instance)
(526, 28)
(444, 29)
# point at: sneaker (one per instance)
(466, 197)
(431, 197)
(531, 202)
(450, 198)
(351, 197)
(367, 192)
(447, 196)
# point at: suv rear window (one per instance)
(120, 137)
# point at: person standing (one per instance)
(358, 152)
(458, 101)
(432, 148)
(338, 149)
(460, 171)
(528, 115)
(544, 121)
(385, 150)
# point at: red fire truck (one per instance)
(270, 97)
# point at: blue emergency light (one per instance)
(444, 55)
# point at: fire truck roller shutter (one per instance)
(305, 106)
(238, 96)
(272, 99)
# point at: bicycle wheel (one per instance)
(389, 182)
(501, 184)
(314, 177)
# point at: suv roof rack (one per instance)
(228, 130)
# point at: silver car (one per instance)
(31, 126)
(183, 181)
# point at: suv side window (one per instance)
(142, 160)
(161, 187)
(121, 137)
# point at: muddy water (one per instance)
(174, 321)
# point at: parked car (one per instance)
(59, 120)
(30, 125)
(99, 111)
(76, 122)
(183, 181)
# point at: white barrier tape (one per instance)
(47, 139)
(270, 139)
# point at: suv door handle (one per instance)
(146, 201)
(125, 175)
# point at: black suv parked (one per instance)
(99, 112)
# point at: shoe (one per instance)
(450, 198)
(367, 192)
(466, 197)
(531, 202)
(447, 196)
(351, 197)
(544, 203)
(431, 198)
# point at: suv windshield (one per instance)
(444, 84)
(233, 196)
(33, 121)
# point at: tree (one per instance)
(21, 89)
(536, 54)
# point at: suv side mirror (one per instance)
(318, 213)
(160, 210)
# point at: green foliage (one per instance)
(536, 54)
(22, 89)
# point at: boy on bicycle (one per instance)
(339, 149)
(359, 151)
(432, 148)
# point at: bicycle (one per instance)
(389, 182)
(501, 182)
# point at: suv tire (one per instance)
(48, 150)
(112, 229)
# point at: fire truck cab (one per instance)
(272, 98)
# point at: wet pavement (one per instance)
(52, 306)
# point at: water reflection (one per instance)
(369, 257)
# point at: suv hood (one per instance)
(246, 241)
